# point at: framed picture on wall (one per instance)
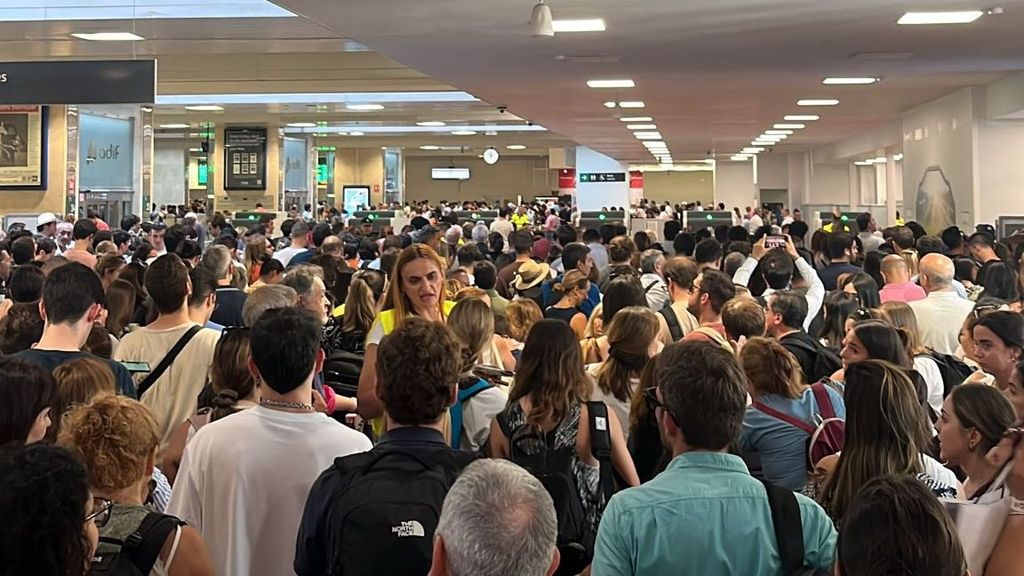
(22, 147)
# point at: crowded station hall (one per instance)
(432, 288)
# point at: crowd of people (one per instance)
(323, 395)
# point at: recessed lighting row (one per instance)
(625, 104)
(432, 147)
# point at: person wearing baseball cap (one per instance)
(46, 224)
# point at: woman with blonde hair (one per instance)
(117, 438)
(521, 315)
(901, 316)
(473, 323)
(417, 289)
(358, 313)
(570, 292)
(784, 412)
(632, 341)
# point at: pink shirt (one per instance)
(902, 292)
(552, 223)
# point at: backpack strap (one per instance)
(144, 545)
(456, 410)
(789, 530)
(714, 335)
(785, 417)
(167, 360)
(824, 402)
(601, 444)
(649, 286)
(673, 323)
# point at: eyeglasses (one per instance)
(651, 398)
(101, 508)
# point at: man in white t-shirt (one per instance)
(502, 226)
(301, 237)
(941, 315)
(244, 479)
(172, 398)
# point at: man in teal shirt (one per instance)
(704, 515)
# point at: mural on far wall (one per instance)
(936, 205)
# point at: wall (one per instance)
(593, 196)
(169, 172)
(734, 184)
(510, 177)
(773, 172)
(1000, 145)
(13, 201)
(355, 166)
(940, 161)
(679, 187)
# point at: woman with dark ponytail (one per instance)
(776, 387)
(234, 388)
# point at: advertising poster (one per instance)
(22, 147)
(245, 155)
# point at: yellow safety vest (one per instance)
(520, 220)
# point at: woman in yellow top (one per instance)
(417, 289)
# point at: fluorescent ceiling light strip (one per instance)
(315, 98)
(789, 126)
(740, 157)
(431, 124)
(108, 36)
(302, 124)
(174, 126)
(625, 83)
(579, 25)
(647, 135)
(849, 81)
(516, 147)
(429, 147)
(801, 118)
(636, 119)
(364, 107)
(632, 104)
(419, 129)
(817, 102)
(952, 17)
(642, 127)
(204, 108)
(778, 132)
(53, 10)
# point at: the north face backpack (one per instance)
(826, 432)
(953, 370)
(535, 452)
(384, 518)
(136, 554)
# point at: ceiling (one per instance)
(713, 74)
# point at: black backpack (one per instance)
(953, 370)
(135, 555)
(824, 362)
(533, 451)
(384, 518)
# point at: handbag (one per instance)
(980, 520)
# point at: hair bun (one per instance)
(225, 398)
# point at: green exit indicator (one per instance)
(709, 217)
(252, 217)
(844, 217)
(326, 148)
(371, 216)
(601, 217)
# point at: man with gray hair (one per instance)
(497, 519)
(230, 300)
(940, 315)
(653, 280)
(267, 298)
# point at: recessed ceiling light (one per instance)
(463, 133)
(431, 124)
(778, 132)
(430, 147)
(817, 102)
(642, 127)
(175, 126)
(789, 126)
(108, 36)
(632, 104)
(655, 144)
(753, 150)
(839, 81)
(581, 25)
(772, 137)
(363, 107)
(864, 163)
(957, 17)
(205, 108)
(764, 142)
(626, 83)
(302, 124)
(357, 133)
(801, 118)
(636, 119)
(516, 147)
(897, 157)
(647, 135)
(880, 160)
(610, 104)
(740, 157)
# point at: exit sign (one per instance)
(602, 177)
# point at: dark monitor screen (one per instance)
(374, 214)
(604, 216)
(1007, 225)
(708, 219)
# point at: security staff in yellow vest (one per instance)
(520, 219)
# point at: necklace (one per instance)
(288, 405)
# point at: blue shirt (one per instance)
(586, 307)
(703, 515)
(782, 447)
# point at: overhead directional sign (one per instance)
(78, 82)
(602, 177)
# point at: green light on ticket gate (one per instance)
(371, 216)
(600, 217)
(844, 217)
(252, 216)
(476, 216)
(710, 217)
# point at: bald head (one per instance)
(937, 272)
(895, 270)
(332, 246)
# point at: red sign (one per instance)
(376, 188)
(567, 179)
(636, 179)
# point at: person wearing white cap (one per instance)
(46, 226)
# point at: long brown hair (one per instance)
(901, 317)
(771, 369)
(120, 306)
(629, 342)
(230, 376)
(885, 433)
(396, 299)
(550, 372)
(472, 323)
(360, 306)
